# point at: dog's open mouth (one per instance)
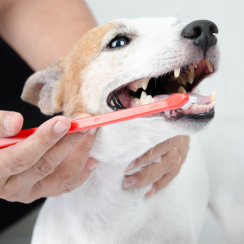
(155, 89)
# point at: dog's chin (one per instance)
(190, 124)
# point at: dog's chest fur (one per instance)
(100, 211)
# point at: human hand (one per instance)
(173, 153)
(48, 163)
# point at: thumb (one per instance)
(10, 123)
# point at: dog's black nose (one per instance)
(200, 32)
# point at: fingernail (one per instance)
(151, 192)
(60, 127)
(92, 131)
(7, 124)
(92, 167)
(130, 181)
(130, 167)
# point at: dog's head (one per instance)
(127, 63)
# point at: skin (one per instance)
(50, 163)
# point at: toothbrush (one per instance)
(173, 102)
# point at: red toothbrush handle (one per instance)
(173, 102)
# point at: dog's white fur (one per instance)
(100, 211)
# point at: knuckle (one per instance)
(68, 183)
(68, 141)
(86, 149)
(44, 166)
(43, 141)
(20, 160)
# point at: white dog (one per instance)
(123, 64)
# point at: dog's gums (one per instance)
(155, 89)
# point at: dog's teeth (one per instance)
(182, 80)
(191, 68)
(210, 65)
(177, 72)
(133, 89)
(150, 99)
(195, 65)
(213, 95)
(181, 90)
(143, 97)
(190, 77)
(144, 83)
(137, 100)
(194, 107)
(137, 85)
(112, 103)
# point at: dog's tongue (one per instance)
(199, 99)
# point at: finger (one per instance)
(164, 181)
(71, 173)
(10, 123)
(46, 165)
(154, 171)
(25, 154)
(151, 154)
(182, 142)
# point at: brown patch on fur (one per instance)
(75, 62)
(40, 88)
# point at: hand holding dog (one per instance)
(173, 153)
(48, 163)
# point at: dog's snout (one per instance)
(200, 32)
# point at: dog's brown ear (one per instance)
(42, 87)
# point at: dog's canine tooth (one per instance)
(181, 90)
(195, 65)
(133, 89)
(177, 72)
(140, 84)
(137, 85)
(209, 64)
(143, 98)
(190, 77)
(144, 83)
(213, 95)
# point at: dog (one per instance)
(122, 64)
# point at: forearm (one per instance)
(41, 31)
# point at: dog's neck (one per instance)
(115, 151)
(121, 143)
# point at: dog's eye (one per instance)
(118, 42)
